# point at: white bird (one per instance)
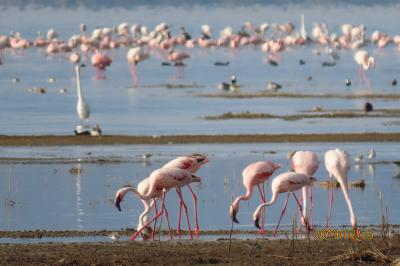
(82, 107)
(303, 32)
(371, 154)
(365, 61)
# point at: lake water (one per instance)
(48, 197)
(153, 109)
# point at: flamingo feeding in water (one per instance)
(254, 174)
(82, 107)
(286, 182)
(337, 163)
(134, 56)
(365, 61)
(306, 163)
(163, 180)
(177, 58)
(192, 163)
(100, 62)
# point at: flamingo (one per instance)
(192, 163)
(134, 56)
(365, 61)
(82, 107)
(177, 58)
(286, 182)
(100, 62)
(254, 174)
(337, 163)
(162, 179)
(306, 163)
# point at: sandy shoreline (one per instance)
(196, 252)
(62, 140)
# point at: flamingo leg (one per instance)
(163, 208)
(134, 75)
(311, 205)
(262, 230)
(301, 210)
(178, 229)
(301, 214)
(186, 213)
(155, 221)
(330, 204)
(195, 210)
(135, 235)
(282, 213)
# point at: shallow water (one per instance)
(47, 196)
(153, 109)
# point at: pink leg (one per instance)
(163, 208)
(186, 213)
(330, 204)
(195, 210)
(301, 210)
(301, 202)
(178, 229)
(282, 213)
(133, 237)
(310, 219)
(155, 221)
(134, 75)
(262, 230)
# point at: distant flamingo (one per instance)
(82, 107)
(192, 163)
(177, 58)
(162, 179)
(74, 58)
(134, 56)
(100, 61)
(254, 174)
(286, 182)
(337, 163)
(306, 163)
(365, 61)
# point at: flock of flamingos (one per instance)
(141, 42)
(181, 172)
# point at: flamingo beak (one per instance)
(257, 222)
(117, 202)
(312, 179)
(233, 216)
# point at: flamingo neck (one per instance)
(344, 186)
(78, 83)
(257, 212)
(247, 196)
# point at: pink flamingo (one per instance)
(100, 62)
(134, 56)
(286, 182)
(306, 163)
(365, 61)
(162, 179)
(192, 163)
(177, 58)
(337, 163)
(254, 174)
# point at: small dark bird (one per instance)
(165, 64)
(229, 86)
(220, 63)
(368, 107)
(302, 62)
(328, 64)
(347, 82)
(394, 82)
(309, 77)
(272, 62)
(274, 86)
(185, 34)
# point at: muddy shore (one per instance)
(55, 140)
(197, 252)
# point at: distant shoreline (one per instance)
(64, 140)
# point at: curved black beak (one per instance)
(257, 223)
(117, 203)
(234, 217)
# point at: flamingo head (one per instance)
(117, 201)
(233, 210)
(256, 218)
(312, 180)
